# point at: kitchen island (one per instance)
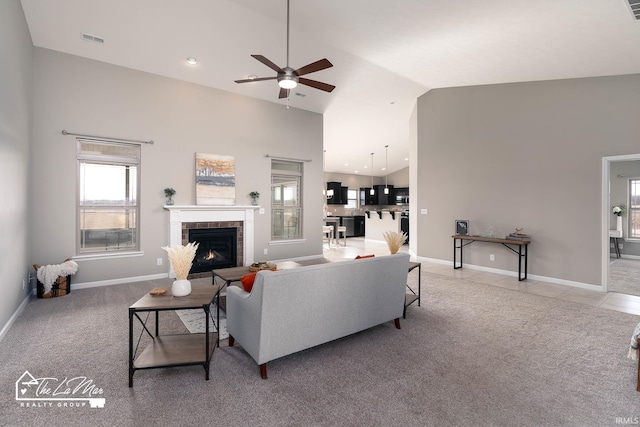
(378, 222)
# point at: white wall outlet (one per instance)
(424, 211)
(266, 251)
(492, 257)
(159, 261)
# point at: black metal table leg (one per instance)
(131, 311)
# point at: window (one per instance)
(634, 209)
(286, 200)
(352, 199)
(108, 205)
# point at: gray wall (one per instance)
(86, 96)
(523, 155)
(15, 116)
(620, 173)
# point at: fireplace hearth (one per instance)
(217, 248)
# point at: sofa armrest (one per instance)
(244, 318)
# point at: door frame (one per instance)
(606, 211)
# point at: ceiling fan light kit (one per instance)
(287, 77)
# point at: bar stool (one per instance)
(327, 234)
(341, 229)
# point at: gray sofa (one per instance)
(291, 310)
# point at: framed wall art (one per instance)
(462, 227)
(215, 180)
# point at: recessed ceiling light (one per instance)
(191, 60)
(346, 164)
(356, 171)
(406, 160)
(383, 169)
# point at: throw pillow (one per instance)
(365, 256)
(247, 281)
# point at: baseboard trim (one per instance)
(99, 283)
(572, 283)
(15, 315)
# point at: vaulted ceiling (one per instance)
(385, 53)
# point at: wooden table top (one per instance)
(493, 239)
(200, 295)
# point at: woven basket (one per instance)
(60, 288)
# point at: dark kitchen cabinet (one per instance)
(366, 198)
(336, 199)
(385, 199)
(354, 225)
(358, 226)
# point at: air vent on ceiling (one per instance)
(300, 94)
(90, 38)
(635, 8)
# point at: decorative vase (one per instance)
(619, 223)
(181, 288)
(169, 201)
(254, 201)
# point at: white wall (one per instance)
(523, 155)
(86, 96)
(15, 111)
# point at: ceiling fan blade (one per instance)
(268, 63)
(284, 93)
(258, 79)
(316, 84)
(313, 67)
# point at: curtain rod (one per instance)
(106, 138)
(287, 158)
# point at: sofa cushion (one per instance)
(247, 281)
(365, 256)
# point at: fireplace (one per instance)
(217, 248)
(186, 217)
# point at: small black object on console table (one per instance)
(507, 243)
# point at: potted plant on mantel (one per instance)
(254, 197)
(168, 193)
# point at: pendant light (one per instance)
(372, 192)
(386, 165)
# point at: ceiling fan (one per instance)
(287, 77)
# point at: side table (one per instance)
(178, 349)
(411, 296)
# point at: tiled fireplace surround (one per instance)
(183, 218)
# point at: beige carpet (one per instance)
(472, 355)
(624, 276)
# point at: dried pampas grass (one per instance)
(181, 258)
(394, 240)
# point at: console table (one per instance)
(521, 252)
(173, 350)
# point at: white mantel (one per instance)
(189, 213)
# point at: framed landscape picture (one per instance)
(215, 180)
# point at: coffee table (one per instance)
(177, 349)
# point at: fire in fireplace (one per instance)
(217, 248)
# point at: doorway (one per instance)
(620, 273)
